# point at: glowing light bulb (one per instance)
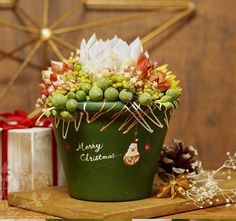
(46, 34)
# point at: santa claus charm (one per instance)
(132, 156)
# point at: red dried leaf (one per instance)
(162, 82)
(162, 77)
(164, 86)
(53, 77)
(153, 78)
(44, 91)
(144, 71)
(144, 65)
(67, 67)
(142, 57)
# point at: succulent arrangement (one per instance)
(106, 71)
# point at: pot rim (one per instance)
(91, 106)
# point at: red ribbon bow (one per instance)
(20, 120)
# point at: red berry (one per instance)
(147, 146)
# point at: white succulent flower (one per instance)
(98, 56)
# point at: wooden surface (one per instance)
(59, 204)
(219, 212)
(8, 212)
(201, 52)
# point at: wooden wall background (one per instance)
(201, 52)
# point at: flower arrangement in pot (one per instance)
(111, 106)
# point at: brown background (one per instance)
(201, 51)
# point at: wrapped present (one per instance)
(29, 157)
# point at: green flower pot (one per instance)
(97, 166)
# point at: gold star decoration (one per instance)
(48, 34)
(175, 186)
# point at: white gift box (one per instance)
(30, 159)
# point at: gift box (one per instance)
(29, 158)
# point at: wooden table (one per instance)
(218, 212)
(54, 201)
(8, 212)
(209, 213)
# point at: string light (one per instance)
(206, 187)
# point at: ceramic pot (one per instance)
(109, 165)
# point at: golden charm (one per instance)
(175, 186)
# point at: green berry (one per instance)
(78, 67)
(145, 99)
(113, 78)
(96, 94)
(125, 95)
(132, 89)
(66, 115)
(86, 87)
(120, 78)
(70, 95)
(73, 90)
(107, 75)
(86, 81)
(80, 95)
(71, 105)
(126, 84)
(168, 105)
(155, 97)
(118, 85)
(103, 83)
(111, 94)
(59, 100)
(173, 93)
(165, 98)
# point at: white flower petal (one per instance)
(96, 52)
(136, 48)
(91, 41)
(83, 50)
(98, 56)
(113, 41)
(122, 50)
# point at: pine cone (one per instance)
(177, 159)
